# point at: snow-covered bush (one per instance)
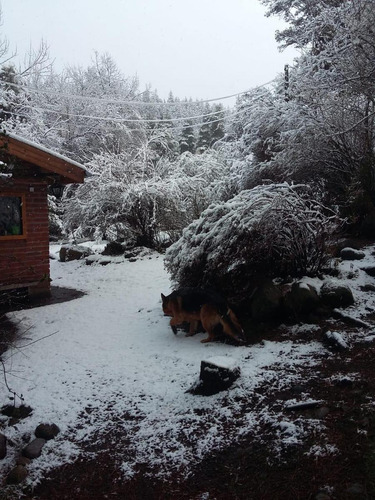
(275, 230)
(133, 196)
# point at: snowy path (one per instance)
(114, 364)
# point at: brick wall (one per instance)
(26, 260)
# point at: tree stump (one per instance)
(217, 374)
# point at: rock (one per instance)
(347, 243)
(3, 446)
(348, 253)
(98, 259)
(113, 248)
(368, 287)
(23, 461)
(47, 431)
(266, 300)
(370, 270)
(74, 252)
(217, 374)
(335, 340)
(335, 295)
(34, 448)
(17, 475)
(302, 299)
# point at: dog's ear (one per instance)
(163, 297)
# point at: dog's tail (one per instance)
(232, 326)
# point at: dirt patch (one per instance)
(16, 300)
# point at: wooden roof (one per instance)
(66, 170)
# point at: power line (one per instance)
(140, 121)
(133, 102)
(130, 120)
(193, 125)
(123, 120)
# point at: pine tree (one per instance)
(217, 125)
(187, 139)
(204, 136)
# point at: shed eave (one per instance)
(49, 161)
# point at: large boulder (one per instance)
(114, 248)
(17, 475)
(34, 448)
(266, 301)
(336, 295)
(301, 300)
(370, 270)
(351, 254)
(74, 252)
(47, 431)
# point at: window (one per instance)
(12, 217)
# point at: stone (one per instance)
(335, 295)
(114, 248)
(74, 252)
(265, 303)
(47, 431)
(17, 475)
(302, 299)
(335, 340)
(34, 448)
(348, 253)
(23, 461)
(217, 374)
(368, 287)
(3, 446)
(370, 270)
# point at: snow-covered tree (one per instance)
(321, 131)
(187, 139)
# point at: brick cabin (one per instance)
(26, 171)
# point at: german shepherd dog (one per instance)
(195, 304)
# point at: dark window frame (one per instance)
(23, 217)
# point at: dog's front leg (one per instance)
(173, 324)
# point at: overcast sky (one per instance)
(197, 48)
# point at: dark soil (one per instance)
(15, 300)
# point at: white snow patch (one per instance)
(222, 362)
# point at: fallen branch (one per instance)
(337, 314)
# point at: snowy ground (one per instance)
(109, 369)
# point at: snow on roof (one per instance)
(45, 150)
